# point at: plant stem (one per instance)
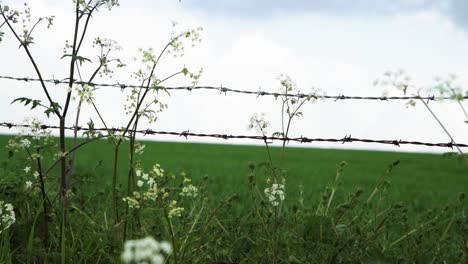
(444, 128)
(171, 231)
(114, 193)
(44, 199)
(131, 170)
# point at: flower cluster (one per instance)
(146, 250)
(259, 123)
(139, 148)
(158, 171)
(177, 48)
(85, 92)
(33, 128)
(133, 202)
(25, 143)
(174, 210)
(7, 216)
(148, 186)
(151, 107)
(397, 79)
(275, 194)
(189, 190)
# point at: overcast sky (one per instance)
(330, 44)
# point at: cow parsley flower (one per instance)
(33, 128)
(174, 210)
(25, 143)
(151, 182)
(36, 175)
(189, 191)
(28, 184)
(140, 183)
(27, 169)
(7, 216)
(132, 202)
(259, 123)
(146, 250)
(275, 194)
(158, 171)
(139, 149)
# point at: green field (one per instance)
(420, 218)
(420, 181)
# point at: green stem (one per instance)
(114, 193)
(171, 231)
(44, 200)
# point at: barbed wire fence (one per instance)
(186, 134)
(226, 90)
(267, 139)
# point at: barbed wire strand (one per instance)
(225, 90)
(268, 139)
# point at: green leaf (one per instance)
(27, 101)
(55, 107)
(278, 134)
(80, 59)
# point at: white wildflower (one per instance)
(132, 202)
(151, 182)
(189, 191)
(25, 143)
(85, 92)
(36, 175)
(174, 210)
(139, 149)
(140, 183)
(275, 194)
(259, 123)
(165, 247)
(28, 184)
(138, 173)
(145, 176)
(146, 250)
(158, 171)
(27, 169)
(7, 216)
(33, 128)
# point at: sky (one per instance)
(338, 46)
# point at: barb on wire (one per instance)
(187, 134)
(225, 90)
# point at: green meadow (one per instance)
(421, 181)
(411, 213)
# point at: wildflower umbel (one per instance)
(29, 184)
(174, 210)
(189, 190)
(7, 216)
(146, 250)
(33, 129)
(275, 194)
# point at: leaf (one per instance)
(55, 107)
(278, 134)
(26, 101)
(80, 59)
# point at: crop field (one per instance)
(423, 184)
(421, 181)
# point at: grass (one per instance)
(421, 181)
(407, 222)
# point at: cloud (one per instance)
(268, 7)
(455, 10)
